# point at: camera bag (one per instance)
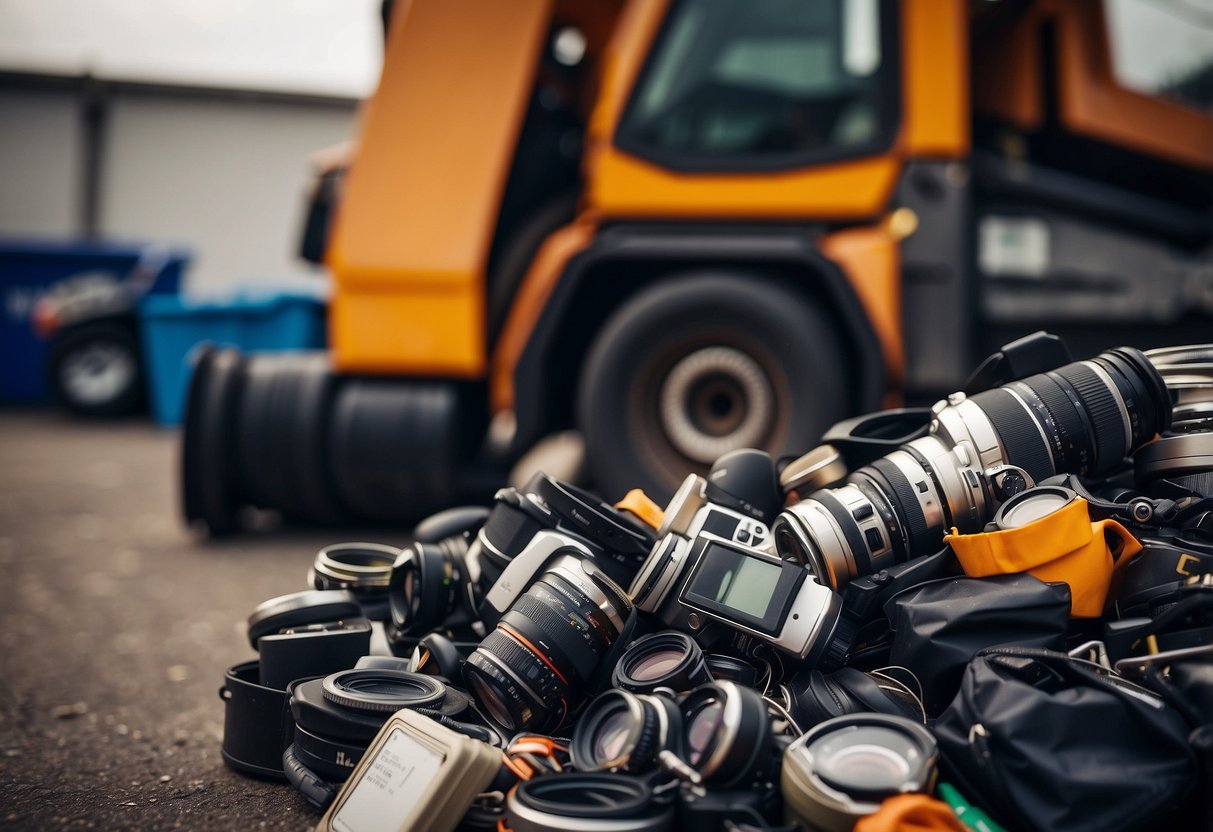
(940, 625)
(1045, 741)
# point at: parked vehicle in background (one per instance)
(682, 226)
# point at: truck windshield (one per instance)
(765, 82)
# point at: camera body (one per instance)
(716, 566)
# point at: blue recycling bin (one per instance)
(30, 269)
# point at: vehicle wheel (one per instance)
(96, 371)
(696, 366)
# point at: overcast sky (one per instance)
(331, 47)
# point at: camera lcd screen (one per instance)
(738, 581)
(399, 776)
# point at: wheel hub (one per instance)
(715, 400)
(97, 373)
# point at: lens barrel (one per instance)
(543, 651)
(1082, 418)
(667, 660)
(728, 734)
(621, 731)
(429, 586)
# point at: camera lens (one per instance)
(379, 690)
(547, 645)
(624, 731)
(363, 568)
(728, 733)
(842, 769)
(670, 660)
(602, 802)
(429, 586)
(1082, 418)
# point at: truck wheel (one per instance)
(696, 366)
(95, 370)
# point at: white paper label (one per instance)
(390, 787)
(1012, 245)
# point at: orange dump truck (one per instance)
(684, 226)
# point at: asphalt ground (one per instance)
(118, 625)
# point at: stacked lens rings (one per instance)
(544, 650)
(621, 731)
(1082, 418)
(337, 716)
(364, 569)
(668, 660)
(603, 802)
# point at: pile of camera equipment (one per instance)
(993, 613)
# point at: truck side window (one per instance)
(767, 82)
(1163, 50)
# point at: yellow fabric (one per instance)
(912, 813)
(1064, 546)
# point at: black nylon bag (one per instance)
(940, 625)
(1047, 742)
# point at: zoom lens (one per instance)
(843, 768)
(728, 734)
(620, 731)
(546, 647)
(430, 587)
(1082, 418)
(602, 802)
(668, 660)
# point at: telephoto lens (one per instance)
(668, 660)
(362, 568)
(621, 731)
(538, 660)
(841, 770)
(1083, 418)
(599, 802)
(729, 738)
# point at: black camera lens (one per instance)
(429, 586)
(378, 690)
(669, 660)
(728, 734)
(731, 669)
(618, 542)
(547, 645)
(607, 802)
(1082, 418)
(362, 568)
(621, 731)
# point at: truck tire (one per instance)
(697, 365)
(96, 370)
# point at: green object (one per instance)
(969, 814)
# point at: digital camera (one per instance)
(715, 575)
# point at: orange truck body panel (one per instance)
(412, 234)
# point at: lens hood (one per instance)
(256, 723)
(312, 606)
(745, 480)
